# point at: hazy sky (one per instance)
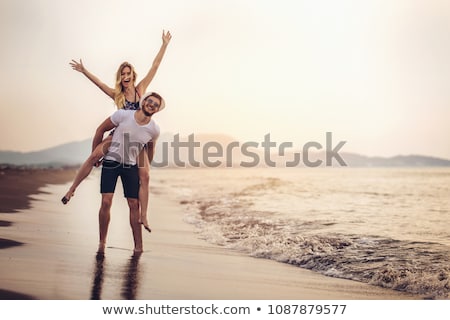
(375, 73)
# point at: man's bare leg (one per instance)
(104, 217)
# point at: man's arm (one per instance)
(151, 146)
(106, 125)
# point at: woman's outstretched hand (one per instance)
(78, 66)
(166, 36)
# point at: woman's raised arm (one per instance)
(144, 83)
(78, 66)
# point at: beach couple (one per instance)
(128, 150)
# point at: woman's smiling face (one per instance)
(126, 77)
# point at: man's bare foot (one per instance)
(101, 248)
(67, 197)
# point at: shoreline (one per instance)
(176, 265)
(17, 187)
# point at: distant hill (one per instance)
(72, 153)
(75, 153)
(355, 160)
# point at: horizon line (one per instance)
(411, 154)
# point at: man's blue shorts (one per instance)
(129, 175)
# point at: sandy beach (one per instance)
(48, 251)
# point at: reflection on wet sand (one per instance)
(98, 277)
(130, 277)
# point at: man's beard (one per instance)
(148, 114)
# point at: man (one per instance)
(133, 130)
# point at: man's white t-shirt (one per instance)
(129, 137)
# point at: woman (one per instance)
(126, 95)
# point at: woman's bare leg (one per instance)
(144, 180)
(86, 168)
(135, 224)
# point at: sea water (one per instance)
(388, 227)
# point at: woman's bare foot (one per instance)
(67, 197)
(144, 222)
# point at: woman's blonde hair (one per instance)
(119, 95)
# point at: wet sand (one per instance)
(49, 252)
(18, 185)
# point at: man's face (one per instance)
(150, 105)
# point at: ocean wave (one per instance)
(385, 228)
(421, 268)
